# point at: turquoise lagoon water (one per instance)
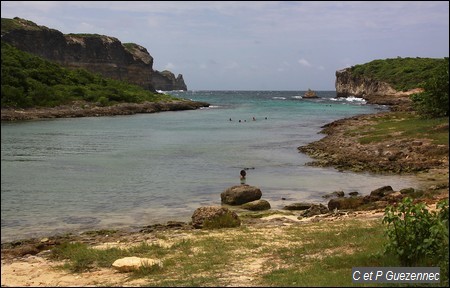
(73, 175)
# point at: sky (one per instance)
(255, 45)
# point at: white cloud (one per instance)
(169, 66)
(304, 62)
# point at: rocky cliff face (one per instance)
(349, 85)
(375, 92)
(166, 81)
(97, 53)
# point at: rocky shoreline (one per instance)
(342, 150)
(84, 109)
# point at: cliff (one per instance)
(97, 53)
(375, 92)
(348, 84)
(166, 81)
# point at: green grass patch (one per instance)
(400, 125)
(312, 254)
(325, 257)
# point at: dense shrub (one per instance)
(419, 237)
(433, 102)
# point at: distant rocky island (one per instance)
(310, 94)
(100, 54)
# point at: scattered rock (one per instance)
(381, 192)
(240, 194)
(298, 206)
(394, 197)
(257, 205)
(407, 190)
(315, 210)
(334, 194)
(129, 264)
(345, 203)
(214, 213)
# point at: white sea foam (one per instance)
(167, 92)
(279, 98)
(210, 107)
(350, 99)
(297, 97)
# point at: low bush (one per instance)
(417, 236)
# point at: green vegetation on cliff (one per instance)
(29, 81)
(401, 73)
(18, 23)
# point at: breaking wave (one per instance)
(350, 99)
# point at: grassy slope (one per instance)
(402, 73)
(402, 125)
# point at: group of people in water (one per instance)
(254, 119)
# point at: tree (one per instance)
(433, 102)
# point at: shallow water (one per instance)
(71, 175)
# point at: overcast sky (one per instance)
(227, 45)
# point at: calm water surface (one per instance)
(72, 175)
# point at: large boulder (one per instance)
(240, 194)
(298, 206)
(215, 217)
(257, 205)
(334, 194)
(129, 264)
(382, 191)
(315, 209)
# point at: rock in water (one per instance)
(240, 194)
